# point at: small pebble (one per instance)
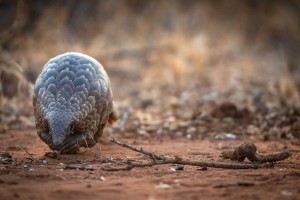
(286, 193)
(179, 167)
(163, 186)
(202, 169)
(225, 136)
(173, 169)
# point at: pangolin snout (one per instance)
(57, 141)
(59, 122)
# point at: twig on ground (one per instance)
(175, 160)
(150, 154)
(160, 160)
(257, 162)
(249, 150)
(274, 157)
(98, 160)
(92, 168)
(32, 158)
(235, 184)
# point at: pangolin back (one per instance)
(72, 96)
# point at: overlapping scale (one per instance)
(81, 96)
(89, 67)
(86, 73)
(52, 88)
(65, 81)
(82, 88)
(80, 80)
(49, 72)
(62, 66)
(39, 84)
(66, 73)
(50, 80)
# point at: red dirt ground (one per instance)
(49, 181)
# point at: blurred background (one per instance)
(178, 68)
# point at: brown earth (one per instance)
(26, 180)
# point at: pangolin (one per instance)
(72, 102)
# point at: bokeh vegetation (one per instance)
(179, 68)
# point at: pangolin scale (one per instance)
(73, 102)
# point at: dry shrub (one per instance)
(189, 52)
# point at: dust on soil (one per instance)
(49, 181)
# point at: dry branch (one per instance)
(96, 160)
(161, 160)
(92, 168)
(31, 157)
(150, 154)
(235, 184)
(176, 160)
(249, 150)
